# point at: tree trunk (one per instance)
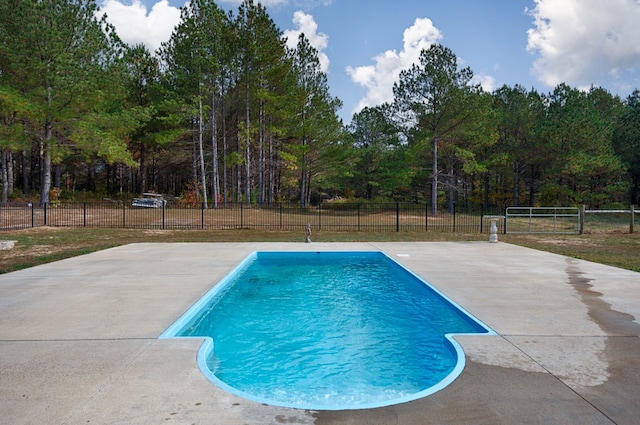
(238, 184)
(57, 177)
(215, 173)
(532, 188)
(303, 180)
(451, 190)
(10, 174)
(271, 171)
(25, 173)
(4, 176)
(224, 149)
(203, 176)
(91, 178)
(143, 168)
(225, 194)
(516, 183)
(434, 178)
(194, 164)
(261, 159)
(45, 181)
(247, 150)
(486, 189)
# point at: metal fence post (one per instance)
(426, 217)
(454, 217)
(633, 218)
(504, 222)
(369, 217)
(581, 215)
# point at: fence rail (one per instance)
(390, 217)
(350, 217)
(568, 220)
(555, 220)
(610, 220)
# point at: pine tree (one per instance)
(63, 61)
(430, 100)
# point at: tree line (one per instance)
(225, 112)
(512, 147)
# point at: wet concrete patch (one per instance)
(483, 394)
(618, 397)
(611, 321)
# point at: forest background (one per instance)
(225, 113)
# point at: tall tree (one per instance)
(315, 122)
(246, 25)
(375, 144)
(264, 80)
(462, 148)
(186, 58)
(626, 143)
(217, 27)
(582, 167)
(14, 110)
(60, 57)
(158, 124)
(430, 101)
(520, 147)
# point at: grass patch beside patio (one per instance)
(47, 244)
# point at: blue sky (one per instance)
(364, 44)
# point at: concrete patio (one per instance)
(79, 339)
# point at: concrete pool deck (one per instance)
(79, 339)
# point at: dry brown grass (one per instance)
(45, 244)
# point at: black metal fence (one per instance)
(351, 217)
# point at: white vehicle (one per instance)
(149, 200)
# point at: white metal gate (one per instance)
(555, 220)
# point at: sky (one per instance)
(364, 44)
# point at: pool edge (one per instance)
(208, 343)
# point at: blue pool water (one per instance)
(327, 331)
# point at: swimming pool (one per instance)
(327, 331)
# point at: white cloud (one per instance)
(486, 81)
(135, 25)
(266, 3)
(306, 24)
(303, 4)
(378, 79)
(584, 42)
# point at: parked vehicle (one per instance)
(149, 200)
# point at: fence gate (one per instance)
(555, 220)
